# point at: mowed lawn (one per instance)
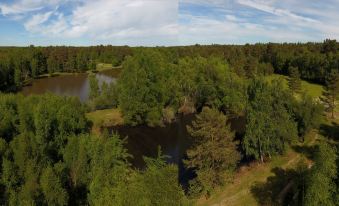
(105, 118)
(103, 66)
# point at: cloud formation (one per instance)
(251, 21)
(172, 22)
(134, 22)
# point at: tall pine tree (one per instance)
(214, 152)
(294, 82)
(331, 92)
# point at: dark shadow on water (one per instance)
(330, 131)
(173, 139)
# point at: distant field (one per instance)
(314, 90)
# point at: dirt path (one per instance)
(239, 193)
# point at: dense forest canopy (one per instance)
(314, 61)
(50, 156)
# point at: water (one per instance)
(173, 139)
(69, 85)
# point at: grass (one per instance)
(102, 67)
(314, 90)
(105, 118)
(239, 192)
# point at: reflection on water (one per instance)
(173, 139)
(144, 141)
(68, 85)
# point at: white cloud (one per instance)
(160, 22)
(250, 21)
(24, 6)
(264, 6)
(230, 30)
(34, 23)
(115, 20)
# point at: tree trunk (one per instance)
(260, 152)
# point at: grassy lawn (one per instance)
(105, 117)
(103, 66)
(240, 192)
(314, 90)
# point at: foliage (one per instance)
(48, 158)
(141, 92)
(156, 185)
(213, 155)
(307, 113)
(93, 87)
(294, 82)
(269, 125)
(331, 92)
(320, 187)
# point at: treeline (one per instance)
(47, 157)
(18, 64)
(314, 61)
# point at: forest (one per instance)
(49, 154)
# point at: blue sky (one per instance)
(166, 22)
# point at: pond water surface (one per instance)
(69, 84)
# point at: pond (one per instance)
(173, 138)
(69, 84)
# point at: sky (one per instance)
(166, 22)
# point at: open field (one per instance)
(314, 90)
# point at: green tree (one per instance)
(93, 65)
(321, 186)
(331, 92)
(159, 183)
(76, 159)
(214, 155)
(17, 77)
(54, 193)
(141, 88)
(34, 67)
(308, 114)
(269, 125)
(52, 65)
(294, 82)
(93, 87)
(108, 169)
